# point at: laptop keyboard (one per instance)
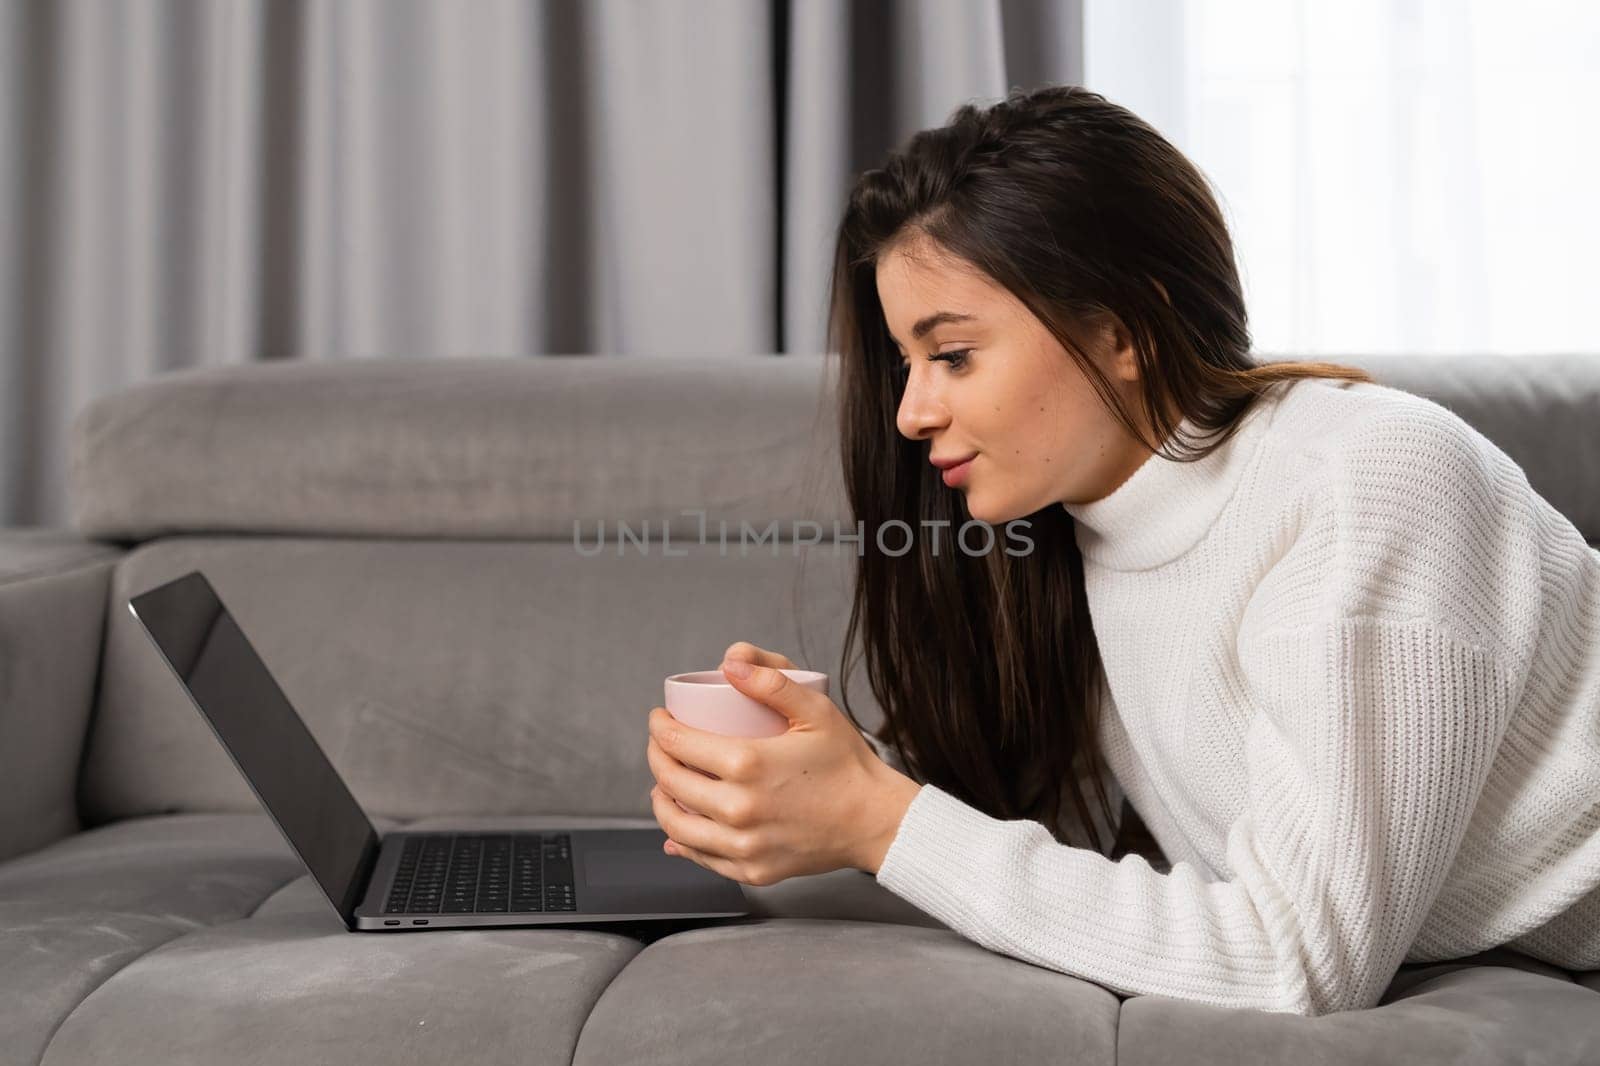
(496, 873)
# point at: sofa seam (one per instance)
(268, 897)
(62, 1021)
(91, 716)
(50, 1041)
(1116, 1034)
(577, 1040)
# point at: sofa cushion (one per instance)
(1496, 1007)
(520, 447)
(480, 447)
(76, 912)
(200, 938)
(445, 677)
(289, 984)
(886, 994)
(781, 991)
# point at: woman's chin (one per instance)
(997, 510)
(985, 511)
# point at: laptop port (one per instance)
(419, 921)
(391, 921)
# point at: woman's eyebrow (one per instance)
(925, 325)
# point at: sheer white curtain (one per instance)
(1398, 176)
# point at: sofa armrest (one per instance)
(53, 589)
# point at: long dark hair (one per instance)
(985, 665)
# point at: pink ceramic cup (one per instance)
(705, 699)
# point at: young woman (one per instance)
(1338, 655)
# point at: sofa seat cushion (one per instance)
(794, 990)
(201, 938)
(705, 996)
(289, 984)
(1495, 1007)
(78, 911)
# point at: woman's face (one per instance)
(1013, 397)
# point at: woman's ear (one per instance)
(1124, 357)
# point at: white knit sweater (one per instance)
(1353, 666)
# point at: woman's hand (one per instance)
(807, 801)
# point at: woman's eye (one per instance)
(956, 360)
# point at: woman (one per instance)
(1339, 656)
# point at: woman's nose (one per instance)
(920, 412)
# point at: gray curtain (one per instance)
(190, 182)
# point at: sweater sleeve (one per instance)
(1367, 747)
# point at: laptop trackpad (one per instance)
(636, 868)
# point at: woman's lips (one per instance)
(954, 476)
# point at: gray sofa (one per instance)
(397, 539)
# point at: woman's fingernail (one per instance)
(736, 668)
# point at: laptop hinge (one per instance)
(359, 884)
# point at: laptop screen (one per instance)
(263, 733)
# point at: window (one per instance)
(1398, 176)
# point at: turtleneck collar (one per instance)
(1165, 507)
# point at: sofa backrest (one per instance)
(410, 546)
(397, 541)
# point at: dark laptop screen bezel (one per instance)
(191, 628)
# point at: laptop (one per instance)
(406, 881)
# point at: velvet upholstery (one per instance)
(397, 540)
